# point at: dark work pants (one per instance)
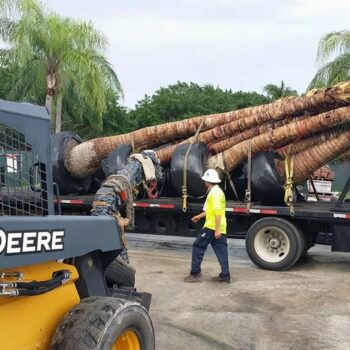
(200, 245)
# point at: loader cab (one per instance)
(27, 199)
(25, 160)
(55, 263)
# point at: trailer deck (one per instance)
(303, 210)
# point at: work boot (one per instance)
(221, 279)
(193, 278)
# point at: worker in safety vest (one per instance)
(213, 232)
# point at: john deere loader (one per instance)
(53, 291)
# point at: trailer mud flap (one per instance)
(341, 238)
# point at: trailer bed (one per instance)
(323, 210)
(316, 210)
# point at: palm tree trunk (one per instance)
(59, 113)
(48, 102)
(311, 159)
(223, 145)
(50, 91)
(280, 136)
(215, 147)
(320, 101)
(164, 154)
(245, 128)
(227, 141)
(302, 145)
(85, 159)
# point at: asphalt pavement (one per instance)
(307, 307)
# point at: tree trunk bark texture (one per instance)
(303, 144)
(308, 161)
(289, 118)
(59, 114)
(282, 135)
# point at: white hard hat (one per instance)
(212, 176)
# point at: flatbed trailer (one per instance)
(275, 239)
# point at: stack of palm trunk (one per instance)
(311, 130)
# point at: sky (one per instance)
(234, 44)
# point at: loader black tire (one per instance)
(120, 273)
(99, 323)
(289, 240)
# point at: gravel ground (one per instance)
(307, 307)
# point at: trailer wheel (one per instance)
(105, 323)
(274, 243)
(120, 273)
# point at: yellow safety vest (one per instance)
(215, 205)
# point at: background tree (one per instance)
(274, 92)
(50, 53)
(182, 100)
(334, 57)
(115, 119)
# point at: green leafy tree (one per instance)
(184, 100)
(49, 54)
(115, 119)
(275, 92)
(334, 57)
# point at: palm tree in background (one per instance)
(334, 57)
(49, 53)
(275, 92)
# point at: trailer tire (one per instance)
(120, 273)
(274, 243)
(104, 323)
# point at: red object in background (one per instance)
(323, 173)
(123, 196)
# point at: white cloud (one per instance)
(314, 8)
(236, 44)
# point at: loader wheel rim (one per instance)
(271, 244)
(128, 340)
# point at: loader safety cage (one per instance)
(55, 262)
(25, 171)
(29, 232)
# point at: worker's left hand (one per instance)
(217, 235)
(195, 219)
